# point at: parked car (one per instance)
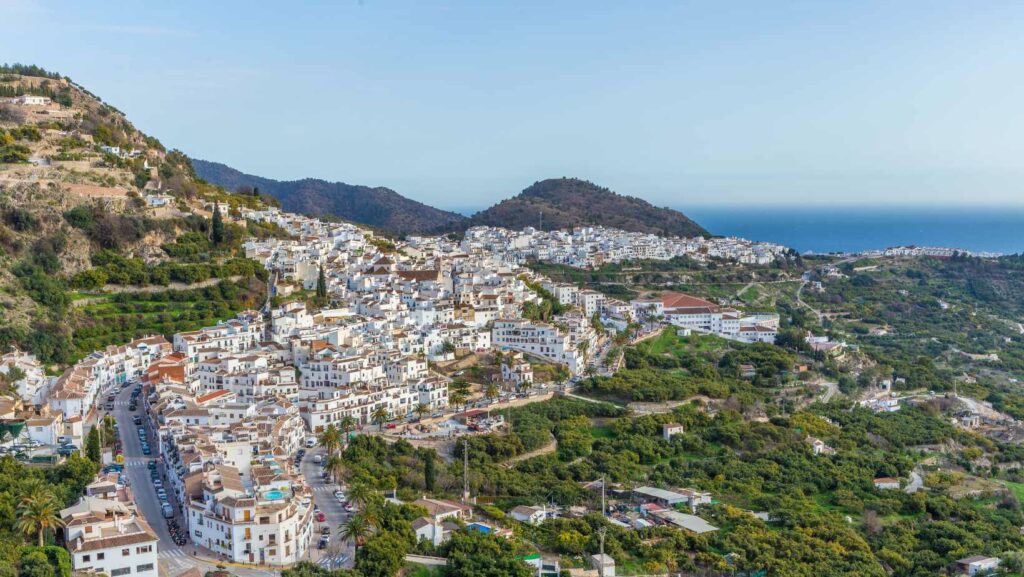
(320, 517)
(168, 511)
(322, 544)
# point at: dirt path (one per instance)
(546, 449)
(111, 289)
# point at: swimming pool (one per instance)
(273, 495)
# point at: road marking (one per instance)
(169, 553)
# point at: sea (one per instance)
(847, 229)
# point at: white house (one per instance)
(515, 370)
(32, 100)
(978, 565)
(106, 536)
(887, 483)
(669, 430)
(527, 514)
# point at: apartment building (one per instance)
(107, 536)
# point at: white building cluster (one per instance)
(231, 404)
(696, 314)
(592, 246)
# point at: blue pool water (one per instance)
(273, 495)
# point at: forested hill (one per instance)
(569, 202)
(377, 207)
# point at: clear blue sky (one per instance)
(462, 103)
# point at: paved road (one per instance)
(337, 554)
(916, 483)
(800, 301)
(830, 391)
(173, 559)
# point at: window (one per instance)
(146, 549)
(126, 552)
(85, 558)
(121, 571)
(101, 556)
(144, 568)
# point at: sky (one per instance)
(461, 104)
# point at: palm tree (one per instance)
(498, 355)
(380, 416)
(335, 466)
(330, 439)
(356, 529)
(347, 424)
(420, 410)
(38, 513)
(457, 398)
(361, 495)
(492, 391)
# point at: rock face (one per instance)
(567, 202)
(377, 207)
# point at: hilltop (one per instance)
(92, 208)
(569, 202)
(565, 202)
(377, 207)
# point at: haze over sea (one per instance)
(853, 229)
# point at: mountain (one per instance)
(569, 202)
(377, 207)
(90, 205)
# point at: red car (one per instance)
(320, 517)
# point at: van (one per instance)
(168, 511)
(318, 459)
(310, 442)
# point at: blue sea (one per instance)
(848, 229)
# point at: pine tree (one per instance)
(92, 446)
(217, 226)
(321, 287)
(428, 471)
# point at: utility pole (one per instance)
(604, 508)
(465, 471)
(600, 563)
(541, 224)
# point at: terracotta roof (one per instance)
(682, 300)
